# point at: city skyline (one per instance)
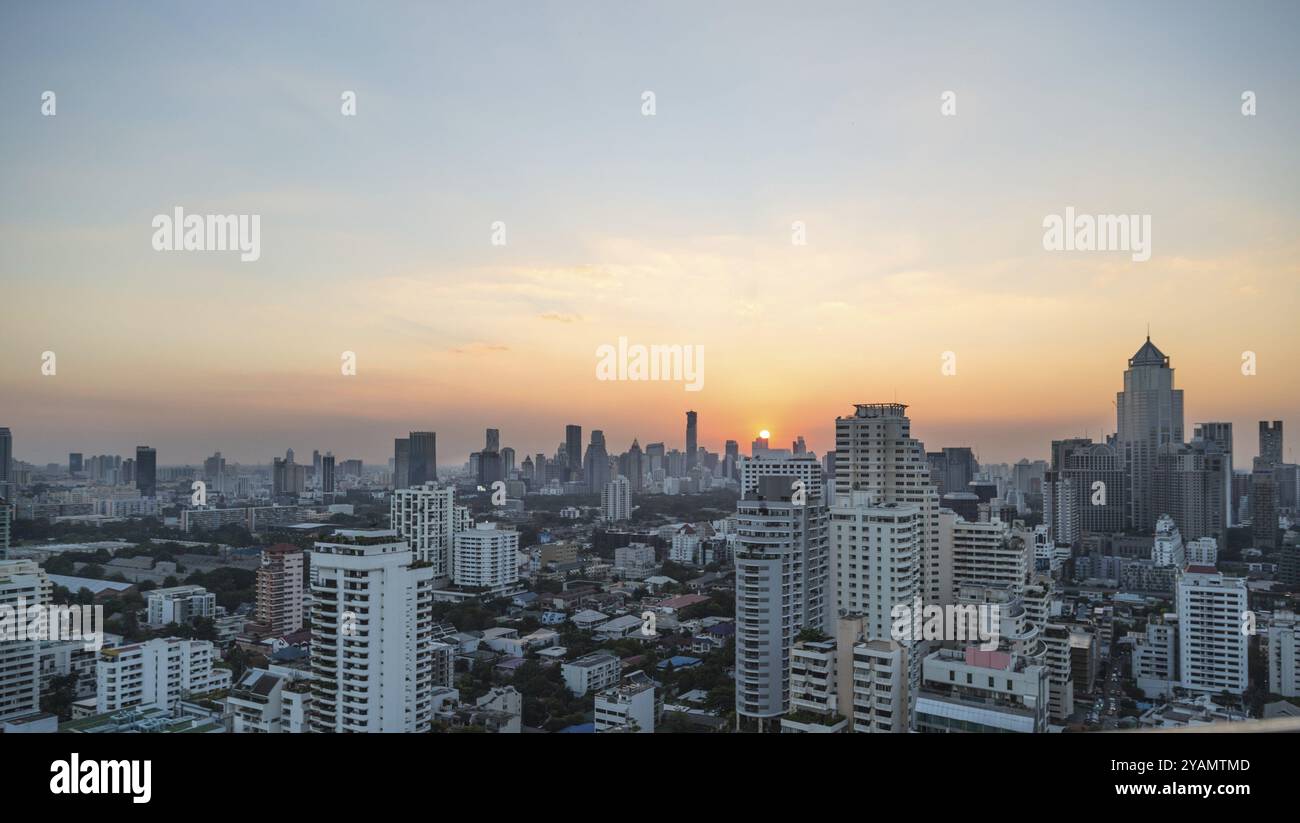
(819, 438)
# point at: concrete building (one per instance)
(974, 691)
(427, 518)
(179, 604)
(1284, 654)
(274, 700)
(157, 673)
(22, 584)
(1155, 658)
(486, 557)
(280, 589)
(1211, 646)
(616, 499)
(627, 707)
(782, 586)
(875, 452)
(595, 672)
(372, 635)
(1149, 414)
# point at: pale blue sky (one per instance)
(530, 113)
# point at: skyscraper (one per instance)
(22, 584)
(423, 458)
(1150, 414)
(616, 500)
(782, 580)
(595, 467)
(427, 518)
(327, 473)
(573, 451)
(1211, 646)
(493, 440)
(146, 471)
(1217, 437)
(6, 463)
(1270, 442)
(74, 463)
(372, 641)
(401, 462)
(692, 440)
(875, 452)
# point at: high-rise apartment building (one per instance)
(595, 466)
(1216, 438)
(1211, 645)
(427, 518)
(875, 452)
(372, 635)
(487, 558)
(573, 451)
(1150, 415)
(616, 500)
(22, 584)
(279, 605)
(327, 473)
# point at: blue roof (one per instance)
(680, 661)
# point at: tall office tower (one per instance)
(616, 500)
(803, 467)
(493, 440)
(782, 582)
(22, 584)
(1217, 438)
(632, 466)
(875, 452)
(486, 558)
(214, 468)
(758, 447)
(528, 471)
(1167, 548)
(7, 464)
(426, 518)
(692, 440)
(326, 473)
(1150, 414)
(655, 456)
(1211, 646)
(732, 459)
(74, 463)
(595, 467)
(1288, 563)
(799, 446)
(401, 462)
(157, 673)
(372, 638)
(146, 471)
(279, 604)
(1263, 506)
(1189, 483)
(1270, 442)
(573, 451)
(490, 468)
(423, 461)
(984, 553)
(953, 468)
(315, 464)
(287, 477)
(507, 461)
(541, 469)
